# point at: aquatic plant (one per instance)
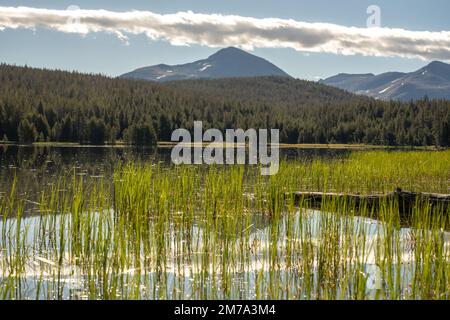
(156, 231)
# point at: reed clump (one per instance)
(158, 231)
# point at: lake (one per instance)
(124, 223)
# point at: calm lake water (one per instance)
(100, 254)
(188, 269)
(37, 165)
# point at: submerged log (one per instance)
(406, 200)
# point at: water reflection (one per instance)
(189, 269)
(34, 166)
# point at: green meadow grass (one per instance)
(221, 232)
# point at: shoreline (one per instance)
(169, 144)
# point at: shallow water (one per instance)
(264, 261)
(35, 165)
(162, 253)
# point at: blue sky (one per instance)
(104, 53)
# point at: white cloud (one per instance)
(215, 30)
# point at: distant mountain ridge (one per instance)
(432, 81)
(226, 63)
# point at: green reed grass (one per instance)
(221, 232)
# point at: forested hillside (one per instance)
(43, 105)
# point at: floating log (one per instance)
(406, 200)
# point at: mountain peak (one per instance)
(433, 80)
(436, 63)
(229, 62)
(230, 51)
(438, 67)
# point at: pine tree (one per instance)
(26, 132)
(96, 131)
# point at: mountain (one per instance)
(226, 63)
(45, 105)
(432, 80)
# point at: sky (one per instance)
(307, 39)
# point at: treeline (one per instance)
(43, 105)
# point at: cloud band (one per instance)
(216, 30)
